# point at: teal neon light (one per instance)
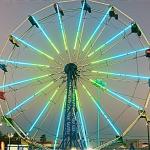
(59, 123)
(28, 99)
(79, 25)
(105, 115)
(23, 81)
(50, 41)
(97, 28)
(62, 28)
(110, 40)
(119, 56)
(123, 75)
(32, 47)
(43, 111)
(125, 100)
(38, 118)
(119, 97)
(22, 63)
(81, 119)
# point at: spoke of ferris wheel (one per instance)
(118, 96)
(22, 63)
(59, 123)
(79, 25)
(100, 33)
(105, 51)
(45, 118)
(111, 40)
(137, 77)
(29, 98)
(120, 55)
(97, 28)
(43, 110)
(41, 123)
(48, 38)
(120, 61)
(81, 120)
(105, 115)
(32, 47)
(113, 45)
(24, 81)
(80, 40)
(47, 115)
(92, 44)
(63, 32)
(62, 28)
(114, 78)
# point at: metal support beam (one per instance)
(71, 136)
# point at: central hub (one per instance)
(71, 69)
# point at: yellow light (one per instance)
(73, 148)
(2, 146)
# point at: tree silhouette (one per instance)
(43, 138)
(1, 134)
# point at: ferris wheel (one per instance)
(76, 71)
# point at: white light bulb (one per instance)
(73, 148)
(89, 148)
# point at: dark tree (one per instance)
(16, 135)
(43, 138)
(1, 134)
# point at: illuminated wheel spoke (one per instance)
(79, 26)
(79, 52)
(119, 79)
(113, 45)
(62, 28)
(120, 56)
(93, 43)
(105, 115)
(43, 110)
(97, 29)
(24, 81)
(110, 40)
(22, 63)
(59, 123)
(81, 120)
(118, 96)
(29, 99)
(34, 48)
(122, 61)
(128, 102)
(130, 76)
(48, 38)
(63, 32)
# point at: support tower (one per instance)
(71, 136)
